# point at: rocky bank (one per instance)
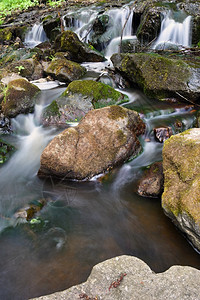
(129, 278)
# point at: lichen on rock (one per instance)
(181, 197)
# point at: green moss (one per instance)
(52, 110)
(117, 112)
(121, 137)
(101, 94)
(5, 34)
(6, 150)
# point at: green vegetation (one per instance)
(7, 6)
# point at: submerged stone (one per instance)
(104, 138)
(181, 197)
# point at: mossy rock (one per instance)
(160, 77)
(181, 197)
(78, 99)
(65, 70)
(20, 96)
(11, 55)
(75, 50)
(31, 69)
(6, 34)
(96, 145)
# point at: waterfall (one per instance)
(35, 36)
(81, 22)
(174, 32)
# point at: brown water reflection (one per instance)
(94, 225)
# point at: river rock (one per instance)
(79, 98)
(160, 77)
(162, 133)
(180, 200)
(20, 96)
(75, 50)
(151, 184)
(127, 277)
(31, 69)
(104, 138)
(64, 70)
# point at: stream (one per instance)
(83, 223)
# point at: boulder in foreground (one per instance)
(136, 281)
(104, 138)
(181, 197)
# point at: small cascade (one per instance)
(35, 36)
(80, 21)
(174, 33)
(119, 23)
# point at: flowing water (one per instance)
(174, 31)
(83, 223)
(35, 36)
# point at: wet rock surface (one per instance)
(104, 138)
(151, 183)
(163, 133)
(127, 277)
(180, 199)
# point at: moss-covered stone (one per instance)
(181, 197)
(20, 96)
(65, 70)
(79, 98)
(160, 77)
(101, 94)
(75, 50)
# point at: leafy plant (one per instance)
(7, 6)
(19, 68)
(55, 3)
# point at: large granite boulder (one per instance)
(104, 138)
(127, 277)
(76, 50)
(161, 77)
(78, 99)
(181, 197)
(64, 70)
(20, 96)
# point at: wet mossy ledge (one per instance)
(181, 197)
(78, 99)
(104, 138)
(161, 77)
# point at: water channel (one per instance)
(83, 223)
